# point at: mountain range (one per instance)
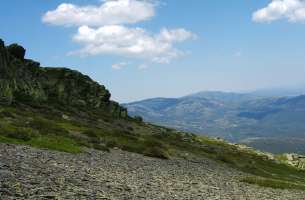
(249, 118)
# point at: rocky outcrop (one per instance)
(17, 51)
(295, 160)
(23, 80)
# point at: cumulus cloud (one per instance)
(131, 42)
(110, 12)
(106, 29)
(292, 10)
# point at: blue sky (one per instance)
(194, 45)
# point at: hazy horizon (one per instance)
(278, 91)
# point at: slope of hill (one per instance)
(63, 110)
(234, 117)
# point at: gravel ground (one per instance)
(29, 173)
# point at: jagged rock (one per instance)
(23, 80)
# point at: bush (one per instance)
(45, 126)
(225, 158)
(155, 148)
(112, 144)
(22, 134)
(157, 152)
(91, 134)
(7, 114)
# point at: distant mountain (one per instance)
(280, 92)
(232, 116)
(223, 96)
(277, 145)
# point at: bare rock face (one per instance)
(24, 81)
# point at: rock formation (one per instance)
(23, 80)
(295, 160)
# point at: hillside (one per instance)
(234, 117)
(59, 110)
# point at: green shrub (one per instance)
(45, 126)
(155, 148)
(157, 152)
(91, 134)
(23, 134)
(7, 114)
(225, 158)
(273, 183)
(112, 143)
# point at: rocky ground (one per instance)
(28, 173)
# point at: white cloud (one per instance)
(110, 12)
(103, 30)
(119, 66)
(292, 10)
(131, 42)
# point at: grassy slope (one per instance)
(70, 130)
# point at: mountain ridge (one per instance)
(232, 116)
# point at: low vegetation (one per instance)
(70, 132)
(273, 183)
